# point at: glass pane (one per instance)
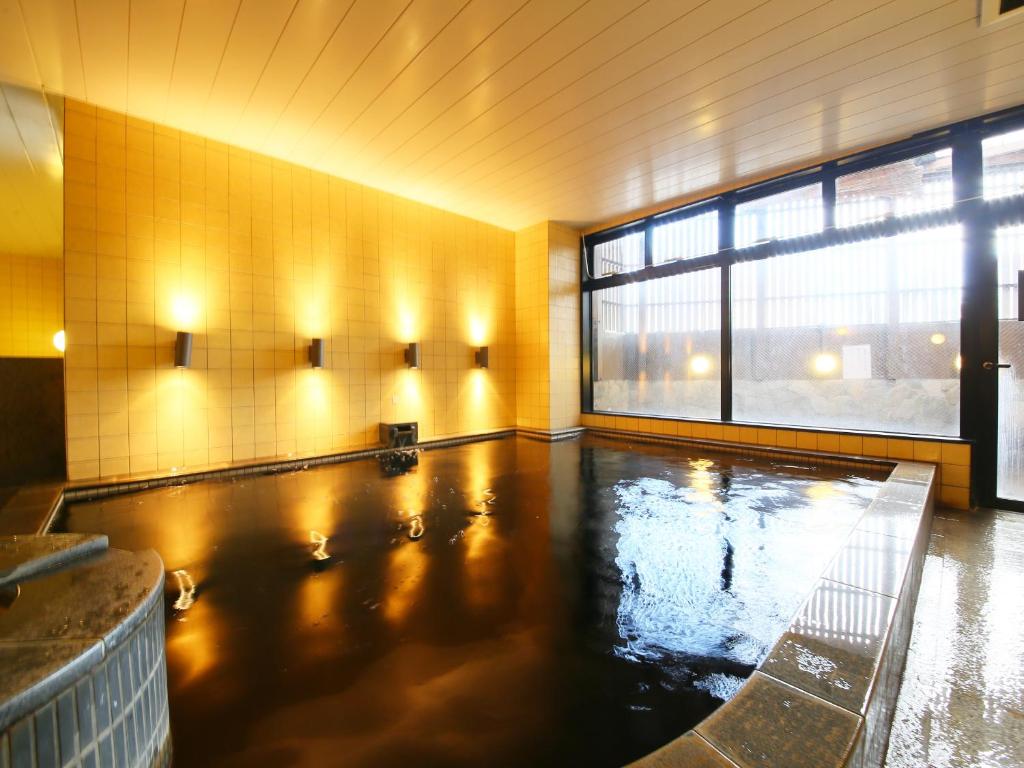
(1010, 461)
(687, 238)
(911, 186)
(1003, 165)
(623, 254)
(657, 346)
(860, 336)
(776, 217)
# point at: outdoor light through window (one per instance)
(700, 364)
(316, 353)
(412, 354)
(825, 363)
(482, 357)
(183, 350)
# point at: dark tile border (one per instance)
(551, 436)
(34, 508)
(99, 490)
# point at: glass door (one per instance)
(1010, 430)
(1000, 460)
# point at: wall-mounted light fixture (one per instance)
(482, 357)
(316, 353)
(412, 354)
(183, 350)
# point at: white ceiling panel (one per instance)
(31, 173)
(523, 110)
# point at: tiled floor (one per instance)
(962, 700)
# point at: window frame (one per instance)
(979, 218)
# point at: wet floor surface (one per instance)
(961, 704)
(504, 603)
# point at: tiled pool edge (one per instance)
(98, 489)
(746, 449)
(40, 514)
(826, 693)
(35, 508)
(32, 509)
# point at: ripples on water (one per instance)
(707, 568)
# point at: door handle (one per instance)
(988, 365)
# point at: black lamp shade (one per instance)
(316, 353)
(412, 354)
(483, 357)
(183, 350)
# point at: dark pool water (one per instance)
(507, 603)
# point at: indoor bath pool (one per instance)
(509, 602)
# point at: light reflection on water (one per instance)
(708, 570)
(186, 591)
(319, 542)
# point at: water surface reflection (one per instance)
(502, 603)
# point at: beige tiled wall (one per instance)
(31, 304)
(166, 231)
(564, 319)
(533, 385)
(547, 327)
(952, 459)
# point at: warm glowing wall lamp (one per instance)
(482, 357)
(316, 353)
(412, 354)
(183, 350)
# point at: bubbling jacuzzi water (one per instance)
(504, 603)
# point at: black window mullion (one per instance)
(979, 329)
(726, 219)
(828, 195)
(588, 350)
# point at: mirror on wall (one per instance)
(31, 287)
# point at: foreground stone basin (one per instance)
(84, 678)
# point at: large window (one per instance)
(623, 254)
(686, 238)
(903, 188)
(658, 346)
(862, 336)
(777, 217)
(844, 292)
(1004, 164)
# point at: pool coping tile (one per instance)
(827, 652)
(761, 725)
(872, 561)
(688, 751)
